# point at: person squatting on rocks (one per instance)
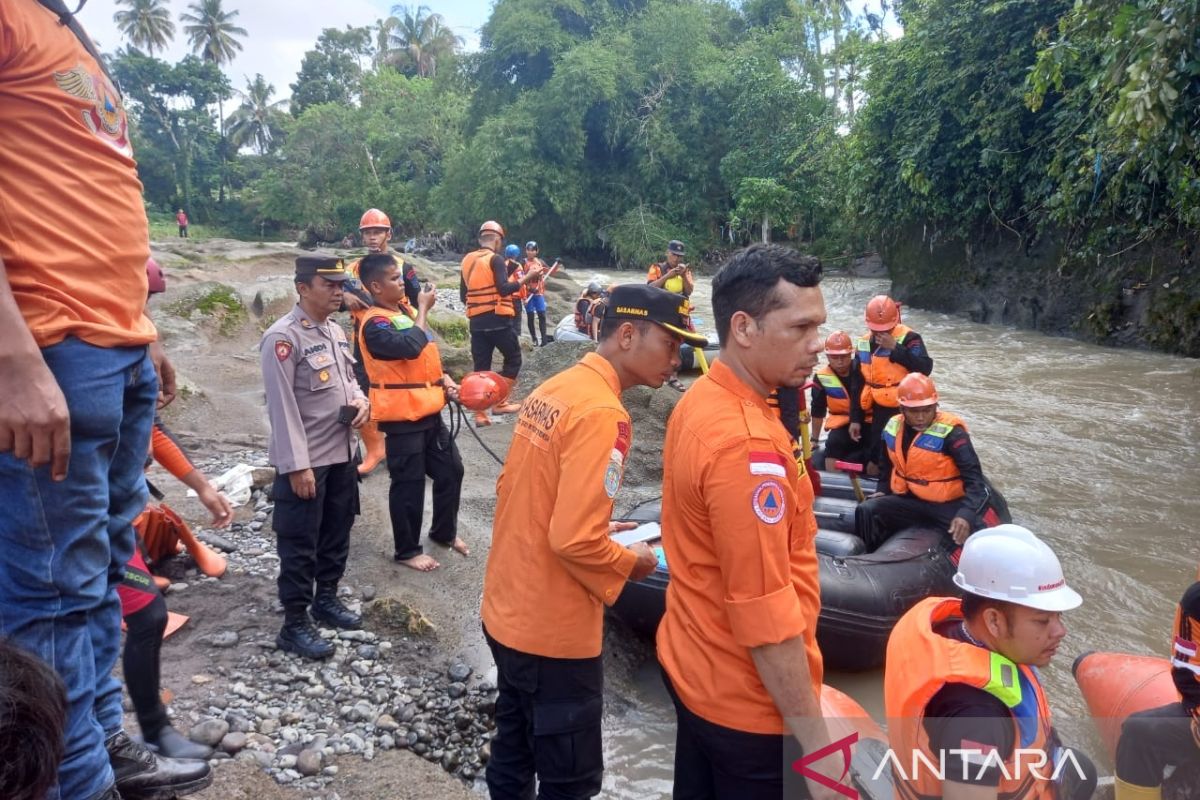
(932, 475)
(535, 300)
(889, 351)
(79, 384)
(675, 276)
(408, 390)
(376, 230)
(1168, 735)
(33, 717)
(145, 610)
(961, 685)
(313, 403)
(584, 308)
(737, 643)
(552, 567)
(831, 402)
(486, 291)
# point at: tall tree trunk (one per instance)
(766, 228)
(837, 51)
(221, 128)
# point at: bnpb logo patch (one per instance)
(768, 502)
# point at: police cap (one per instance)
(319, 265)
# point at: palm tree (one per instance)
(420, 38)
(211, 31)
(383, 39)
(147, 24)
(257, 120)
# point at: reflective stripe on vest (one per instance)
(920, 661)
(880, 374)
(483, 296)
(403, 390)
(837, 399)
(925, 471)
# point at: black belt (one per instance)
(403, 385)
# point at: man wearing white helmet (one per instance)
(961, 687)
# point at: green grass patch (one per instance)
(453, 330)
(220, 302)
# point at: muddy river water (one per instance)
(1096, 450)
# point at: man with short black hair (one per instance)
(738, 641)
(552, 567)
(961, 685)
(313, 402)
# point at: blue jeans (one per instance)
(63, 545)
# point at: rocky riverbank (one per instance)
(404, 708)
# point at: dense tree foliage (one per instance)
(614, 125)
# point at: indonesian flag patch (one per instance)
(1185, 648)
(762, 463)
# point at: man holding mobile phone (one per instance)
(313, 402)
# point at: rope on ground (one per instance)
(458, 421)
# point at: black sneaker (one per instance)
(300, 636)
(141, 775)
(328, 609)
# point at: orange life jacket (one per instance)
(921, 661)
(535, 286)
(515, 273)
(582, 317)
(403, 390)
(880, 373)
(483, 296)
(837, 399)
(926, 471)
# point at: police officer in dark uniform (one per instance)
(313, 401)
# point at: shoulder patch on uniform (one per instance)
(623, 440)
(283, 349)
(764, 463)
(769, 502)
(381, 322)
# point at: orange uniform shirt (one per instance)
(553, 567)
(738, 530)
(73, 231)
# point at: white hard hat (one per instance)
(1008, 562)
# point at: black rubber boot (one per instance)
(141, 775)
(173, 744)
(328, 609)
(300, 636)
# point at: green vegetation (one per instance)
(216, 301)
(452, 329)
(607, 127)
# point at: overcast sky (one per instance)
(280, 32)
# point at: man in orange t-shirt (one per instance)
(78, 387)
(738, 641)
(552, 567)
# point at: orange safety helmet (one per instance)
(882, 313)
(839, 344)
(479, 391)
(916, 391)
(491, 226)
(155, 279)
(374, 218)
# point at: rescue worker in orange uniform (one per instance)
(961, 686)
(376, 230)
(932, 475)
(738, 641)
(1168, 735)
(675, 276)
(516, 269)
(831, 402)
(408, 390)
(885, 355)
(486, 291)
(552, 567)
